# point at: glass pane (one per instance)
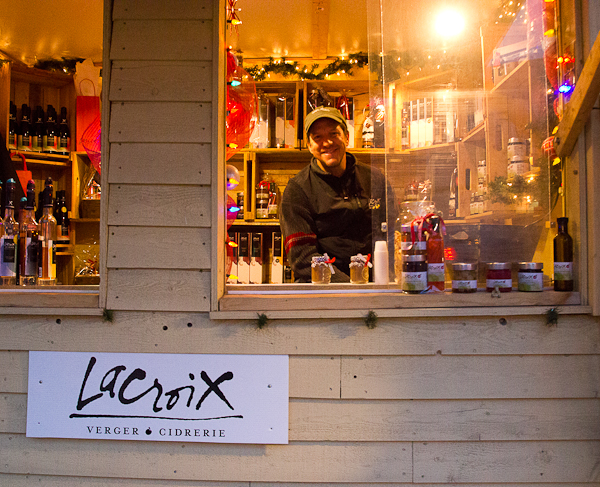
(466, 97)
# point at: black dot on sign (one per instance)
(148, 431)
(165, 327)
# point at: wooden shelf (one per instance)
(41, 158)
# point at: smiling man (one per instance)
(335, 205)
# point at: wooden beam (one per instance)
(320, 28)
(578, 109)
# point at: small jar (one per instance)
(359, 269)
(410, 247)
(531, 277)
(498, 276)
(414, 273)
(320, 270)
(464, 279)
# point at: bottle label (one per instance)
(464, 284)
(422, 246)
(435, 272)
(414, 281)
(500, 283)
(38, 144)
(24, 142)
(531, 281)
(65, 144)
(31, 257)
(12, 141)
(8, 261)
(563, 271)
(50, 143)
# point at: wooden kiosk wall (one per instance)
(431, 401)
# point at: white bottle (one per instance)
(381, 263)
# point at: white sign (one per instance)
(158, 397)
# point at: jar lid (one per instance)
(414, 258)
(531, 265)
(462, 266)
(319, 258)
(516, 140)
(499, 265)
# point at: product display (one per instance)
(47, 239)
(9, 234)
(25, 133)
(498, 277)
(321, 269)
(359, 268)
(28, 240)
(563, 257)
(414, 274)
(50, 138)
(531, 277)
(435, 255)
(464, 278)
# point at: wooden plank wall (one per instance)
(429, 401)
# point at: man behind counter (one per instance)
(335, 205)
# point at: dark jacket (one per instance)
(321, 213)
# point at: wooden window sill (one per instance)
(50, 300)
(346, 301)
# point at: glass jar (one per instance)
(410, 245)
(359, 269)
(498, 276)
(531, 276)
(464, 277)
(320, 269)
(414, 273)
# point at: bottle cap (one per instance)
(499, 265)
(531, 266)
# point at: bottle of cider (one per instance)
(51, 132)
(9, 232)
(47, 239)
(25, 134)
(38, 130)
(563, 257)
(28, 241)
(64, 134)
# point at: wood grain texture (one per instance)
(557, 461)
(159, 206)
(158, 9)
(167, 122)
(158, 290)
(168, 40)
(196, 333)
(61, 481)
(13, 413)
(443, 377)
(14, 366)
(301, 462)
(159, 248)
(161, 81)
(160, 163)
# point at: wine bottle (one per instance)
(9, 232)
(50, 132)
(435, 255)
(62, 219)
(47, 239)
(64, 134)
(28, 241)
(563, 257)
(13, 127)
(38, 130)
(25, 135)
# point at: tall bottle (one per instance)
(51, 131)
(9, 233)
(435, 255)
(64, 134)
(62, 219)
(38, 130)
(563, 257)
(13, 127)
(47, 239)
(25, 134)
(28, 241)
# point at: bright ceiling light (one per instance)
(449, 23)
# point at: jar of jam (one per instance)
(321, 269)
(498, 276)
(414, 273)
(412, 242)
(359, 268)
(531, 277)
(464, 277)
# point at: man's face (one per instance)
(327, 142)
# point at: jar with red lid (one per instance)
(499, 276)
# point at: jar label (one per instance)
(563, 271)
(464, 284)
(435, 272)
(416, 246)
(531, 281)
(414, 281)
(501, 283)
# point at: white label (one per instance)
(435, 272)
(8, 257)
(563, 271)
(464, 284)
(414, 281)
(531, 281)
(501, 283)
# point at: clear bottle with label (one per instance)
(262, 200)
(9, 234)
(435, 255)
(28, 241)
(47, 239)
(563, 257)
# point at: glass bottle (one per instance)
(563, 257)
(13, 127)
(9, 233)
(62, 219)
(38, 130)
(28, 241)
(50, 132)
(64, 134)
(435, 255)
(47, 239)
(25, 135)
